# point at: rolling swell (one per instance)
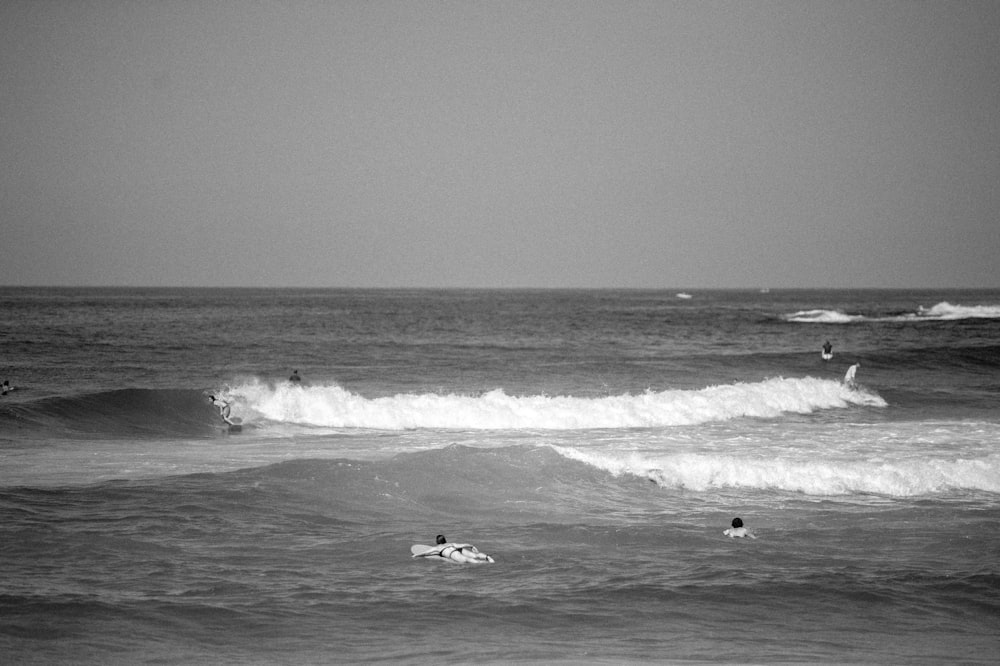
(972, 360)
(120, 413)
(454, 482)
(533, 482)
(959, 381)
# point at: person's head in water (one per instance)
(441, 539)
(737, 522)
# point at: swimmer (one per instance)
(737, 531)
(460, 552)
(849, 377)
(295, 379)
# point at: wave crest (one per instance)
(336, 407)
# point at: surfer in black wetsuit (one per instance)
(827, 351)
(295, 379)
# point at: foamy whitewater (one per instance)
(495, 410)
(595, 443)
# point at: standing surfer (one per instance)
(224, 409)
(849, 377)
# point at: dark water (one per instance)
(595, 443)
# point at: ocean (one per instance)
(595, 443)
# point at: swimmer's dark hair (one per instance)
(440, 539)
(737, 522)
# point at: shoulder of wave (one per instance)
(128, 401)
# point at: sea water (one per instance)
(595, 443)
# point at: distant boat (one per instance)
(684, 295)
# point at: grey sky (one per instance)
(500, 144)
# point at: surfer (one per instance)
(459, 552)
(827, 351)
(738, 531)
(6, 388)
(849, 377)
(295, 379)
(224, 409)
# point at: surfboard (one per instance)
(459, 553)
(826, 356)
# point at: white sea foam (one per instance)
(943, 311)
(947, 311)
(904, 477)
(334, 406)
(822, 317)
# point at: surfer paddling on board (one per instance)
(849, 377)
(457, 552)
(295, 379)
(737, 531)
(827, 351)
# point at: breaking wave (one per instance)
(943, 311)
(336, 407)
(820, 476)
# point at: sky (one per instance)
(500, 144)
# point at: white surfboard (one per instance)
(461, 553)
